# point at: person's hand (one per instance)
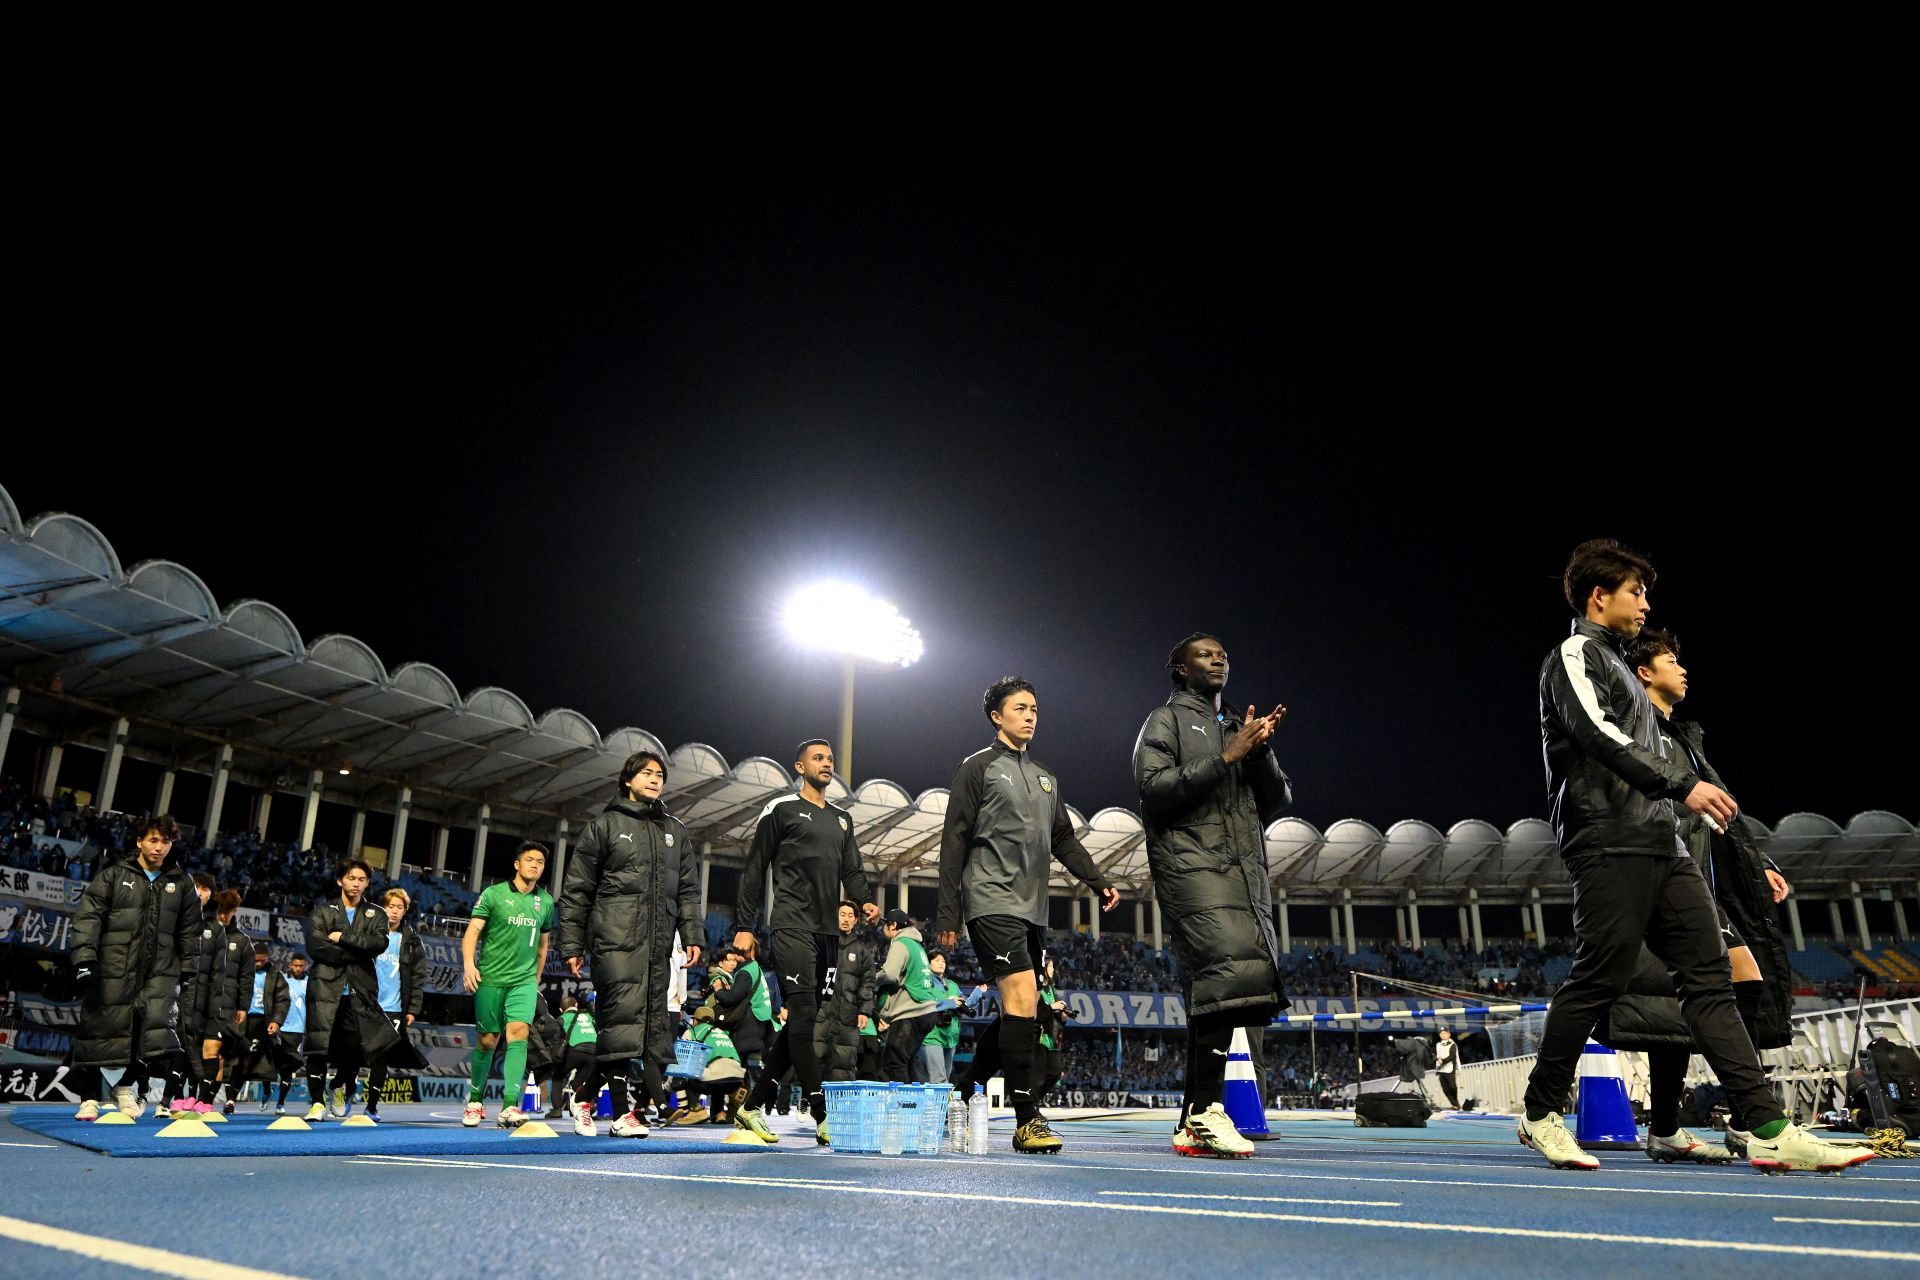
(872, 912)
(1711, 802)
(409, 1019)
(573, 965)
(1109, 898)
(1778, 883)
(1254, 731)
(948, 940)
(743, 941)
(883, 1026)
(240, 1018)
(273, 1028)
(472, 978)
(693, 956)
(334, 936)
(863, 1022)
(783, 1015)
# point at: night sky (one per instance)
(563, 397)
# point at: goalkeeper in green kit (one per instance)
(511, 926)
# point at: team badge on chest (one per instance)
(1046, 784)
(669, 839)
(844, 826)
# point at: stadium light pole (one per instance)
(857, 627)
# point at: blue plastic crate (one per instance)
(853, 1114)
(933, 1117)
(689, 1058)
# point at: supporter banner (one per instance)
(21, 1083)
(253, 922)
(1159, 1011)
(54, 891)
(399, 1089)
(32, 1040)
(30, 924)
(447, 1089)
(42, 1012)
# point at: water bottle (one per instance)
(956, 1125)
(892, 1140)
(977, 1122)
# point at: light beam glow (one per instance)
(838, 617)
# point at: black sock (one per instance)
(1666, 1080)
(203, 1091)
(1208, 1043)
(1019, 1037)
(986, 1059)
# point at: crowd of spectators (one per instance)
(1156, 1064)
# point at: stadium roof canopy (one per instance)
(88, 641)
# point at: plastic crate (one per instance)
(856, 1110)
(689, 1058)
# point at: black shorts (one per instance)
(804, 961)
(1007, 944)
(1728, 933)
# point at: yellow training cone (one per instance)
(213, 1117)
(114, 1117)
(531, 1129)
(738, 1138)
(184, 1129)
(285, 1124)
(359, 1122)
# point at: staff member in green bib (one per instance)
(936, 1051)
(912, 1000)
(511, 927)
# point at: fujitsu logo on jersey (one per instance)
(524, 922)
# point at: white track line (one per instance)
(1042, 1202)
(32, 1146)
(1197, 1195)
(1569, 1182)
(1851, 1222)
(160, 1261)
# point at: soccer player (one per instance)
(1209, 783)
(809, 845)
(1005, 825)
(264, 1005)
(290, 1034)
(136, 935)
(402, 970)
(1615, 791)
(633, 888)
(511, 926)
(205, 1018)
(344, 1023)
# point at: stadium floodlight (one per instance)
(857, 627)
(840, 618)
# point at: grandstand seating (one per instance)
(1820, 963)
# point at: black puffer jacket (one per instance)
(209, 1010)
(1738, 870)
(836, 1031)
(1206, 847)
(347, 963)
(139, 938)
(1610, 785)
(413, 971)
(632, 882)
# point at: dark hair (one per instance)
(1178, 655)
(1650, 644)
(534, 846)
(935, 955)
(345, 865)
(226, 901)
(206, 881)
(1002, 689)
(569, 1001)
(163, 823)
(851, 905)
(260, 949)
(638, 761)
(1602, 563)
(800, 752)
(301, 956)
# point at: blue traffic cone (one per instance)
(1605, 1118)
(530, 1096)
(1241, 1094)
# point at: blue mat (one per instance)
(244, 1135)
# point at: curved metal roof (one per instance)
(151, 643)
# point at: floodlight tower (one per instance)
(858, 628)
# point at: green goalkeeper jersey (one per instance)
(509, 950)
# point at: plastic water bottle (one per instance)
(977, 1122)
(892, 1139)
(956, 1125)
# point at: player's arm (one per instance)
(471, 939)
(578, 893)
(956, 838)
(1168, 787)
(692, 928)
(325, 920)
(1570, 688)
(853, 876)
(366, 936)
(413, 954)
(753, 876)
(95, 902)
